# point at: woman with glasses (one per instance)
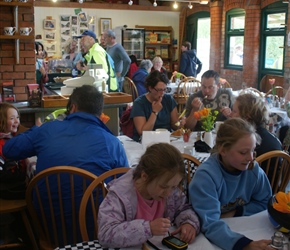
(140, 75)
(155, 109)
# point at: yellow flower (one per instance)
(207, 118)
(282, 203)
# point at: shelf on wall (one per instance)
(6, 37)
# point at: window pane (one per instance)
(275, 20)
(237, 22)
(274, 54)
(236, 50)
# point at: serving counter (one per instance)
(112, 103)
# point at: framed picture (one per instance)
(105, 24)
(49, 47)
(49, 24)
(49, 35)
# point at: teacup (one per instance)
(25, 31)
(9, 31)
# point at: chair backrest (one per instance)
(186, 87)
(90, 201)
(252, 91)
(173, 77)
(53, 198)
(190, 163)
(279, 92)
(276, 165)
(130, 87)
(225, 83)
(265, 86)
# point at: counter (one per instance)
(112, 110)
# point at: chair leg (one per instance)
(29, 230)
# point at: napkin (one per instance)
(152, 137)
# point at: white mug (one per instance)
(25, 31)
(190, 150)
(9, 31)
(217, 125)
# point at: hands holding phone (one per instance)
(187, 233)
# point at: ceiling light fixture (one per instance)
(175, 5)
(81, 1)
(203, 2)
(190, 5)
(54, 1)
(155, 3)
(130, 2)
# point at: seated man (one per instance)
(81, 140)
(210, 96)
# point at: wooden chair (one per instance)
(57, 190)
(190, 163)
(224, 83)
(91, 200)
(279, 92)
(130, 88)
(252, 91)
(277, 162)
(173, 77)
(186, 87)
(18, 206)
(265, 86)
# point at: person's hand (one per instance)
(160, 226)
(187, 233)
(226, 111)
(259, 245)
(38, 122)
(42, 71)
(118, 74)
(196, 104)
(80, 66)
(157, 105)
(182, 121)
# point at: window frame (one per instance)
(268, 32)
(237, 12)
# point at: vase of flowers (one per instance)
(207, 118)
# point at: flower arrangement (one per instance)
(282, 203)
(104, 118)
(272, 83)
(207, 118)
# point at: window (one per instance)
(273, 32)
(234, 42)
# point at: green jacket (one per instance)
(98, 55)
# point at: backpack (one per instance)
(126, 123)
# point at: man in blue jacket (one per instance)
(190, 65)
(81, 140)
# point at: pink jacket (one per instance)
(116, 218)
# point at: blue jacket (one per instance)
(190, 65)
(80, 140)
(139, 79)
(214, 191)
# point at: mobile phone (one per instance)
(174, 243)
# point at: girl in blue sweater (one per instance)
(230, 183)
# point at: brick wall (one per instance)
(249, 74)
(23, 73)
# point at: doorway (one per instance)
(198, 34)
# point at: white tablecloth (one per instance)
(134, 150)
(255, 227)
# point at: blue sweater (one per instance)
(214, 191)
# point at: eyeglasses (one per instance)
(160, 90)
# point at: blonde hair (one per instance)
(66, 46)
(253, 109)
(233, 130)
(157, 59)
